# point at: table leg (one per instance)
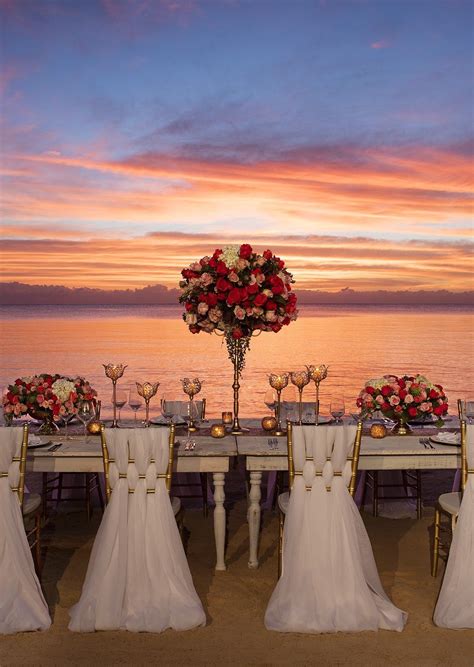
(219, 518)
(253, 517)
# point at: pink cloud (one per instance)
(381, 44)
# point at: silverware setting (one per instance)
(54, 447)
(273, 443)
(426, 443)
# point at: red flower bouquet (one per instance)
(45, 396)
(237, 292)
(407, 398)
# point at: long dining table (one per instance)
(209, 456)
(266, 452)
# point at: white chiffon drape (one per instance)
(330, 581)
(22, 605)
(138, 577)
(455, 605)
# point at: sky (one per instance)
(139, 135)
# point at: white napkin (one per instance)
(34, 440)
(448, 437)
(176, 419)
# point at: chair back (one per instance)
(324, 451)
(467, 453)
(13, 449)
(142, 456)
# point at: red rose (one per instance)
(217, 252)
(223, 285)
(370, 390)
(286, 321)
(276, 327)
(386, 390)
(290, 308)
(194, 329)
(221, 296)
(189, 306)
(221, 269)
(243, 293)
(412, 411)
(245, 251)
(277, 285)
(433, 393)
(385, 406)
(252, 289)
(402, 393)
(281, 264)
(18, 382)
(260, 299)
(234, 296)
(203, 297)
(237, 333)
(212, 299)
(268, 254)
(213, 262)
(401, 383)
(270, 305)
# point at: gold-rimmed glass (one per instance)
(114, 372)
(300, 379)
(191, 388)
(147, 390)
(278, 381)
(317, 374)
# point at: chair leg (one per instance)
(88, 495)
(99, 492)
(38, 544)
(434, 566)
(45, 486)
(60, 490)
(419, 507)
(280, 543)
(375, 493)
(205, 507)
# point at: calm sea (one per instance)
(356, 342)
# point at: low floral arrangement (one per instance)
(46, 396)
(237, 292)
(406, 398)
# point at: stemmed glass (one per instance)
(337, 409)
(278, 381)
(270, 400)
(135, 401)
(191, 418)
(317, 374)
(119, 401)
(289, 402)
(67, 417)
(191, 388)
(114, 372)
(167, 410)
(147, 390)
(469, 409)
(85, 413)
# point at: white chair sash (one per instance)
(138, 577)
(330, 581)
(455, 605)
(22, 605)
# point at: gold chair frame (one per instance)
(34, 534)
(291, 478)
(438, 543)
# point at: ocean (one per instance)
(356, 342)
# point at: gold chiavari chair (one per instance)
(283, 499)
(448, 505)
(168, 476)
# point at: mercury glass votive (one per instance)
(227, 418)
(317, 374)
(114, 372)
(147, 390)
(278, 381)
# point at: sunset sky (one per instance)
(139, 135)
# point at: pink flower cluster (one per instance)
(409, 397)
(237, 292)
(36, 396)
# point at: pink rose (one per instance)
(203, 308)
(394, 400)
(408, 398)
(379, 399)
(206, 279)
(40, 399)
(425, 407)
(191, 318)
(239, 313)
(270, 316)
(233, 277)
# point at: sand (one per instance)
(235, 602)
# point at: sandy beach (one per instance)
(235, 603)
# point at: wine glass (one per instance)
(66, 418)
(85, 413)
(337, 409)
(469, 409)
(270, 399)
(289, 402)
(135, 402)
(191, 419)
(119, 400)
(167, 409)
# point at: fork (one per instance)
(426, 443)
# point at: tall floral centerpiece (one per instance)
(50, 398)
(237, 293)
(404, 399)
